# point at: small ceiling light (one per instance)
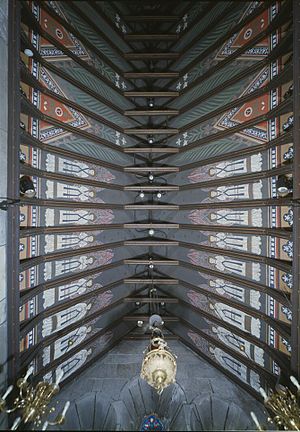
(151, 232)
(140, 323)
(150, 177)
(150, 139)
(158, 195)
(242, 347)
(151, 102)
(142, 195)
(151, 265)
(137, 303)
(27, 187)
(28, 52)
(162, 303)
(284, 185)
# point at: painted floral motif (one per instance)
(289, 216)
(287, 278)
(287, 312)
(288, 248)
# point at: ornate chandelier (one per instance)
(159, 365)
(283, 406)
(32, 403)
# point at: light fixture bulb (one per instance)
(150, 177)
(151, 102)
(140, 323)
(150, 139)
(28, 52)
(159, 195)
(142, 195)
(137, 303)
(151, 232)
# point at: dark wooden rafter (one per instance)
(28, 139)
(280, 264)
(30, 109)
(280, 79)
(280, 49)
(284, 107)
(109, 347)
(62, 74)
(28, 325)
(30, 354)
(262, 371)
(30, 20)
(28, 79)
(282, 139)
(82, 38)
(273, 232)
(37, 289)
(146, 206)
(280, 358)
(281, 296)
(31, 171)
(223, 38)
(12, 293)
(295, 359)
(282, 328)
(240, 179)
(282, 18)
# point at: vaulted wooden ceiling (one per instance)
(195, 95)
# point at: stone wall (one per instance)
(110, 395)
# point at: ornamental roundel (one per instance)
(152, 423)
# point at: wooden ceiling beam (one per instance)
(283, 138)
(29, 140)
(280, 358)
(282, 328)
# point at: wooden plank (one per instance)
(151, 150)
(151, 188)
(151, 75)
(151, 207)
(151, 94)
(149, 55)
(151, 112)
(153, 169)
(152, 225)
(151, 131)
(164, 18)
(151, 36)
(151, 243)
(153, 261)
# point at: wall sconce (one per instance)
(151, 232)
(284, 185)
(142, 195)
(33, 402)
(27, 187)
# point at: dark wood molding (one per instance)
(13, 189)
(295, 342)
(29, 140)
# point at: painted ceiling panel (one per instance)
(102, 177)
